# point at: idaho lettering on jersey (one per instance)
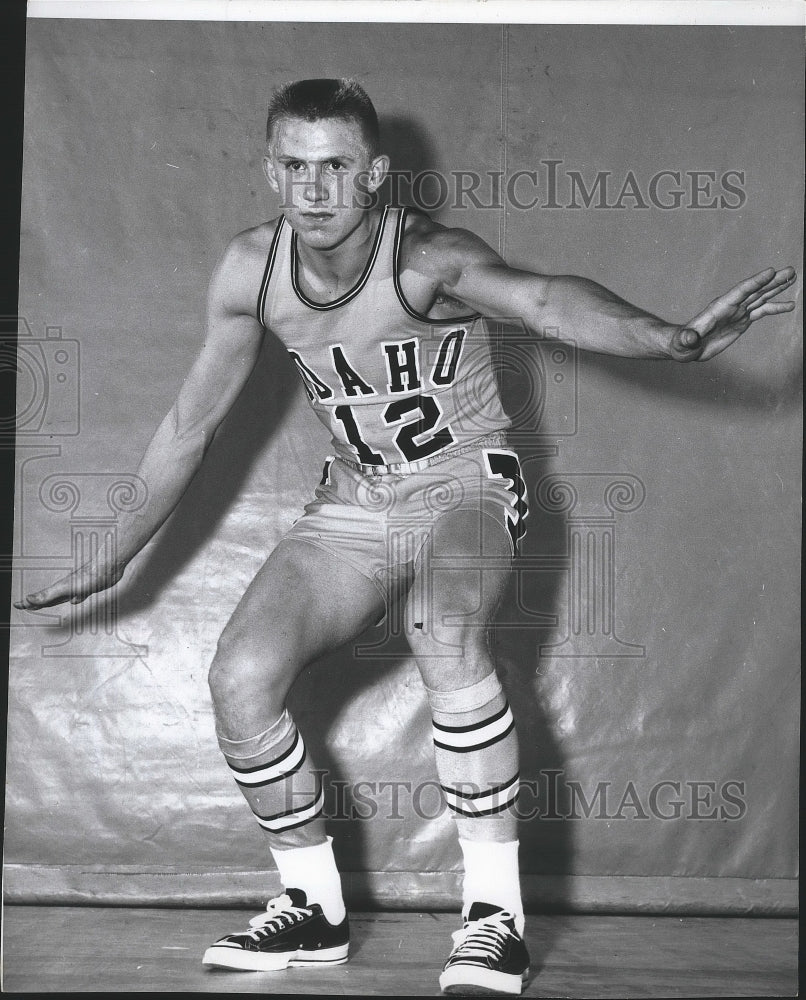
(314, 386)
(402, 360)
(444, 371)
(403, 366)
(351, 381)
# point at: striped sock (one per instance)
(278, 781)
(477, 758)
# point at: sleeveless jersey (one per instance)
(391, 384)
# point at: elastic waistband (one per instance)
(495, 439)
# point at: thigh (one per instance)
(302, 603)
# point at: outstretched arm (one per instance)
(175, 452)
(595, 318)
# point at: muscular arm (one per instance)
(175, 452)
(589, 314)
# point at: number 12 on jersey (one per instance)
(424, 413)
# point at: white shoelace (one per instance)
(484, 937)
(279, 914)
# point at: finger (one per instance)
(774, 288)
(750, 286)
(760, 299)
(57, 594)
(33, 602)
(770, 309)
(30, 601)
(686, 344)
(688, 339)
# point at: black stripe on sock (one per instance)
(269, 763)
(473, 725)
(481, 812)
(288, 812)
(476, 746)
(271, 781)
(487, 791)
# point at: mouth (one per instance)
(316, 216)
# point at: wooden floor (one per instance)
(115, 950)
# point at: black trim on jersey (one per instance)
(402, 298)
(264, 284)
(351, 294)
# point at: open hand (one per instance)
(727, 317)
(75, 588)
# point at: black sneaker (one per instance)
(290, 932)
(488, 956)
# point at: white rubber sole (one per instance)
(472, 980)
(221, 957)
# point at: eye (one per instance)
(295, 166)
(336, 166)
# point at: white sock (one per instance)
(313, 869)
(491, 876)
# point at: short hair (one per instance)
(312, 100)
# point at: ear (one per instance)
(377, 171)
(271, 174)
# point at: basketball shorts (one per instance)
(381, 523)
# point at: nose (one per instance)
(314, 190)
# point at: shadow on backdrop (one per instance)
(719, 383)
(410, 151)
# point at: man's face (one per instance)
(322, 171)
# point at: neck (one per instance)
(346, 260)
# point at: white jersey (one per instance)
(391, 384)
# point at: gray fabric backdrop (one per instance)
(651, 635)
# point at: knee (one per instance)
(227, 670)
(240, 673)
(437, 631)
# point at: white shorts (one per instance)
(379, 524)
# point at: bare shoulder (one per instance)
(236, 280)
(439, 252)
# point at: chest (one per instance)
(367, 364)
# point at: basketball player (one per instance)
(380, 310)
